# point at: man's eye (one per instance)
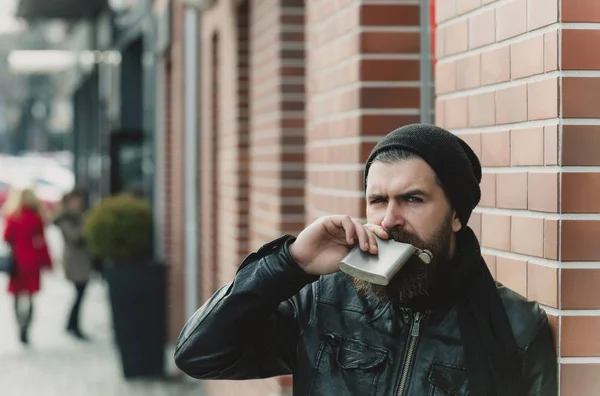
(414, 199)
(377, 201)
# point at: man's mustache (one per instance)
(399, 235)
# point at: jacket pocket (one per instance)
(347, 366)
(447, 380)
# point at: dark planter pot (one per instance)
(138, 301)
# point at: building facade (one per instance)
(268, 110)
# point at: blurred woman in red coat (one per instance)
(24, 233)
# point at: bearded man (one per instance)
(443, 328)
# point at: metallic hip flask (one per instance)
(380, 268)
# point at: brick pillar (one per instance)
(210, 269)
(210, 194)
(277, 84)
(174, 187)
(363, 82)
(276, 119)
(580, 197)
(167, 159)
(245, 134)
(523, 91)
(242, 19)
(223, 164)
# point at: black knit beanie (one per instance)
(453, 161)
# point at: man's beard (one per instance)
(416, 278)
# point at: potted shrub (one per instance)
(119, 232)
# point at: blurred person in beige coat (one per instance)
(77, 261)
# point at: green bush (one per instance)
(119, 229)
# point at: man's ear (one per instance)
(456, 224)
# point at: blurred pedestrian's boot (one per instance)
(24, 335)
(24, 319)
(73, 323)
(78, 334)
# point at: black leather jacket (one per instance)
(274, 319)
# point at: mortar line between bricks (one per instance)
(571, 312)
(581, 121)
(329, 167)
(579, 360)
(537, 215)
(580, 25)
(285, 166)
(356, 86)
(336, 116)
(342, 141)
(335, 192)
(545, 262)
(541, 169)
(580, 265)
(391, 2)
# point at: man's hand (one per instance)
(322, 245)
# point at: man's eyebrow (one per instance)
(413, 192)
(409, 193)
(372, 196)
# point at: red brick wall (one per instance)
(522, 90)
(174, 185)
(514, 83)
(362, 82)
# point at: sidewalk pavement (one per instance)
(56, 364)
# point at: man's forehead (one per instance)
(408, 172)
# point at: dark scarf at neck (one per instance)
(493, 363)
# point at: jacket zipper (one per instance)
(412, 346)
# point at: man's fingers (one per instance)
(363, 237)
(358, 233)
(372, 241)
(349, 229)
(377, 230)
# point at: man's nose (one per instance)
(393, 217)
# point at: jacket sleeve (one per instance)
(250, 328)
(540, 366)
